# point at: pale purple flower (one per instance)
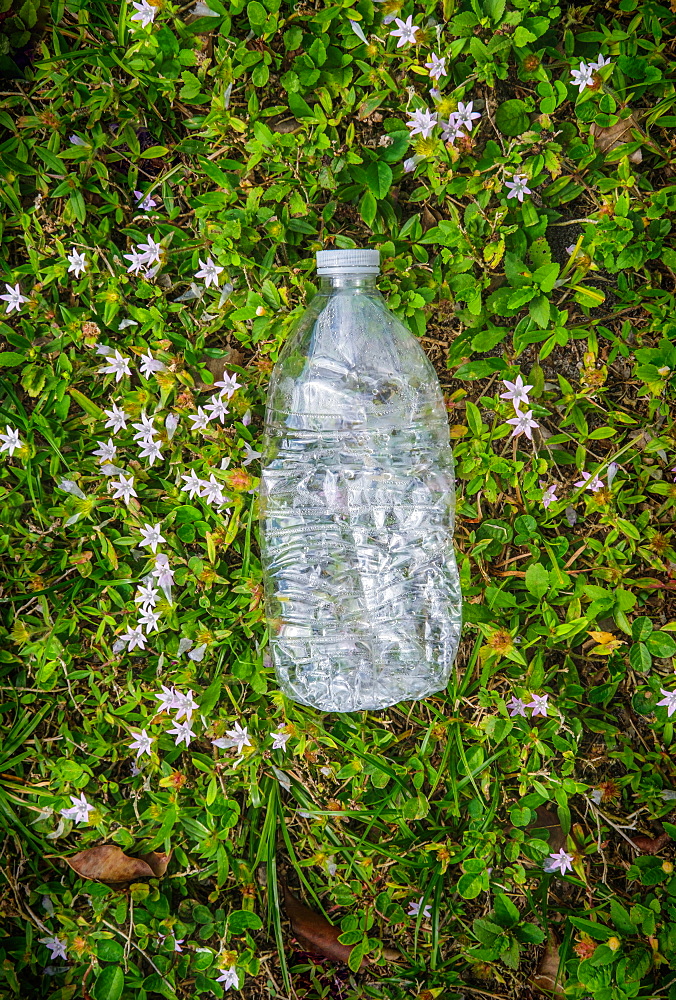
(237, 737)
(599, 62)
(197, 654)
(10, 440)
(549, 493)
(465, 116)
(138, 261)
(523, 424)
(105, 452)
(229, 978)
(147, 596)
(217, 409)
(145, 201)
(516, 707)
(80, 809)
(149, 365)
(405, 31)
(200, 420)
(212, 491)
(134, 637)
(103, 350)
(164, 574)
(414, 909)
(356, 27)
(591, 483)
(13, 298)
(669, 701)
(583, 76)
(246, 419)
(182, 732)
(142, 743)
(145, 13)
(560, 862)
(436, 66)
(613, 469)
(171, 423)
(451, 129)
(228, 384)
(151, 536)
(77, 262)
(77, 141)
(516, 391)
(412, 162)
(186, 705)
(178, 941)
(150, 450)
(56, 945)
(149, 619)
(538, 704)
(124, 489)
(152, 251)
(279, 740)
(209, 271)
(193, 483)
(167, 699)
(422, 122)
(117, 366)
(518, 186)
(251, 454)
(117, 419)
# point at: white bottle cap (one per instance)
(355, 262)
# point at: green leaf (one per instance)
(357, 954)
(109, 950)
(512, 118)
(470, 885)
(11, 359)
(481, 369)
(243, 920)
(85, 403)
(368, 208)
(109, 983)
(537, 580)
(506, 913)
(661, 644)
(639, 657)
(597, 931)
(379, 178)
(154, 153)
(257, 15)
(539, 310)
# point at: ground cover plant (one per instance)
(172, 826)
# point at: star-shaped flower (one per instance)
(516, 707)
(593, 483)
(548, 495)
(251, 454)
(164, 574)
(193, 485)
(561, 862)
(10, 440)
(237, 737)
(134, 637)
(451, 129)
(538, 704)
(414, 909)
(145, 202)
(124, 489)
(518, 186)
(583, 76)
(186, 705)
(77, 262)
(279, 740)
(405, 30)
(105, 452)
(147, 596)
(516, 391)
(465, 116)
(142, 743)
(669, 701)
(117, 419)
(138, 261)
(436, 66)
(145, 428)
(209, 271)
(523, 424)
(200, 420)
(228, 384)
(422, 122)
(182, 732)
(229, 978)
(151, 536)
(149, 619)
(145, 13)
(117, 366)
(217, 409)
(150, 450)
(599, 62)
(149, 365)
(212, 491)
(56, 945)
(80, 809)
(152, 251)
(13, 298)
(167, 699)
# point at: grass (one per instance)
(263, 132)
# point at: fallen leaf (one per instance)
(545, 979)
(650, 845)
(110, 865)
(616, 135)
(314, 932)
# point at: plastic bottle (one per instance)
(362, 593)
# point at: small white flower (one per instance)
(164, 574)
(77, 141)
(56, 945)
(422, 122)
(124, 489)
(10, 440)
(145, 202)
(145, 13)
(182, 732)
(197, 654)
(69, 486)
(105, 452)
(600, 62)
(209, 271)
(145, 428)
(405, 30)
(279, 740)
(237, 737)
(212, 491)
(167, 699)
(134, 637)
(217, 410)
(229, 978)
(517, 187)
(14, 298)
(465, 116)
(152, 251)
(150, 450)
(193, 483)
(228, 384)
(412, 162)
(251, 454)
(437, 66)
(149, 619)
(357, 28)
(138, 262)
(516, 391)
(171, 422)
(117, 419)
(151, 536)
(523, 424)
(186, 705)
(669, 701)
(147, 596)
(142, 743)
(149, 365)
(79, 811)
(200, 420)
(583, 76)
(559, 862)
(124, 323)
(103, 350)
(78, 263)
(117, 366)
(414, 909)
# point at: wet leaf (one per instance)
(110, 865)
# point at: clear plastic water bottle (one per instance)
(362, 592)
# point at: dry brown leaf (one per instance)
(545, 979)
(616, 135)
(110, 865)
(649, 845)
(314, 932)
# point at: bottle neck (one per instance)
(353, 282)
